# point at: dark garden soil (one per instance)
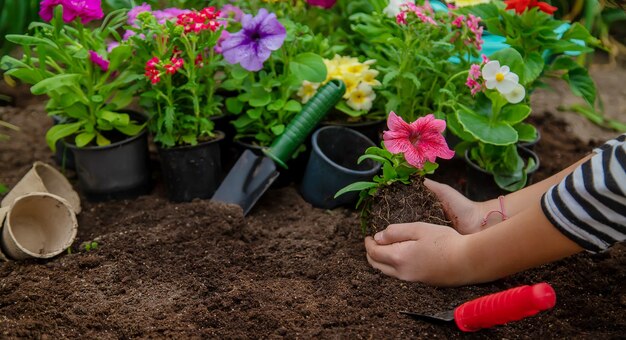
(202, 270)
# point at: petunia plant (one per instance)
(271, 59)
(177, 59)
(493, 124)
(87, 85)
(407, 150)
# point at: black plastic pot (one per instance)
(192, 171)
(294, 172)
(63, 156)
(119, 170)
(333, 165)
(480, 184)
(371, 129)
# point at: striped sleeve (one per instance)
(589, 205)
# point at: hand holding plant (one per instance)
(408, 150)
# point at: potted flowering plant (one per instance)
(270, 62)
(88, 90)
(417, 49)
(178, 60)
(493, 124)
(407, 153)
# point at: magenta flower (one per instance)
(322, 3)
(419, 141)
(86, 10)
(259, 36)
(99, 60)
(134, 12)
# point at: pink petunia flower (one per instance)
(322, 3)
(419, 141)
(86, 10)
(99, 60)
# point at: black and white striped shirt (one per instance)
(589, 205)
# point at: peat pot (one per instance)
(192, 171)
(480, 184)
(115, 171)
(333, 165)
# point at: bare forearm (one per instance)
(519, 200)
(521, 242)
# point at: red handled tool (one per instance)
(498, 308)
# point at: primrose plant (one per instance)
(493, 124)
(407, 150)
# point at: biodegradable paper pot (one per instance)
(333, 165)
(480, 184)
(118, 170)
(37, 225)
(44, 178)
(192, 171)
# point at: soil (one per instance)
(402, 203)
(201, 269)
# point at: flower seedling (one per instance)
(492, 126)
(408, 153)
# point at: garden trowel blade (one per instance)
(247, 181)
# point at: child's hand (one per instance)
(466, 215)
(418, 251)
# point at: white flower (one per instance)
(361, 98)
(516, 95)
(498, 77)
(394, 7)
(307, 90)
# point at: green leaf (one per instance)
(259, 97)
(121, 100)
(238, 72)
(131, 129)
(412, 77)
(373, 157)
(533, 66)
(357, 186)
(29, 76)
(28, 40)
(390, 76)
(53, 83)
(497, 133)
(60, 131)
(581, 84)
(278, 129)
(119, 55)
(84, 138)
(514, 114)
(308, 66)
(456, 128)
(3, 189)
(293, 106)
(234, 105)
(255, 113)
(526, 132)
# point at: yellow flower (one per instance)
(369, 77)
(463, 3)
(361, 98)
(351, 82)
(307, 90)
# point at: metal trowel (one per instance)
(252, 175)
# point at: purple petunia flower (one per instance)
(134, 12)
(259, 36)
(86, 10)
(168, 14)
(112, 45)
(232, 11)
(98, 60)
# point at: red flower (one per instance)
(200, 21)
(521, 5)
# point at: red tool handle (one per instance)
(500, 308)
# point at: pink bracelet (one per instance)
(501, 212)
